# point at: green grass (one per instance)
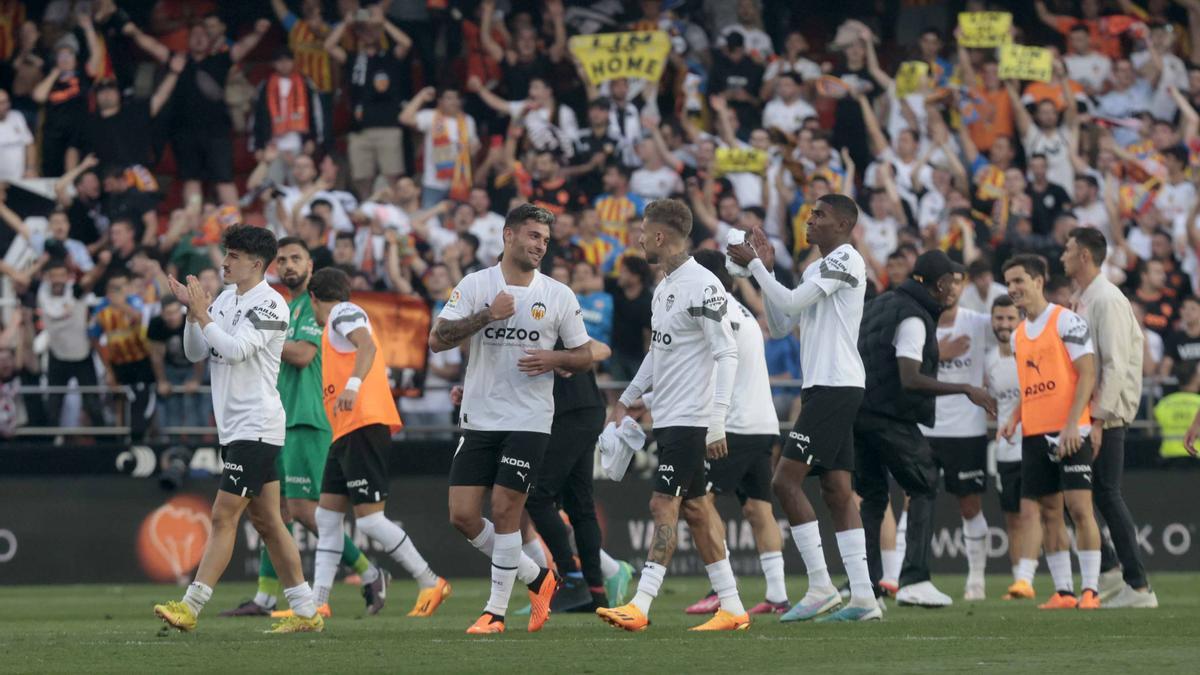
(95, 629)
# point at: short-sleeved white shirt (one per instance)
(344, 319)
(1003, 384)
(496, 395)
(957, 416)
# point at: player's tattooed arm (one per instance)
(663, 546)
(449, 333)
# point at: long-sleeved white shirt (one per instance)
(828, 305)
(243, 343)
(690, 337)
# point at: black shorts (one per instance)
(510, 459)
(823, 436)
(746, 470)
(202, 156)
(246, 466)
(963, 462)
(357, 466)
(1010, 486)
(1044, 474)
(681, 452)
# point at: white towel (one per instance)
(617, 445)
(735, 236)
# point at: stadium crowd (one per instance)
(390, 137)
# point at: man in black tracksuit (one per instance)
(565, 480)
(898, 344)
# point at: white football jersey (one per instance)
(751, 410)
(829, 329)
(243, 345)
(1002, 384)
(497, 396)
(957, 417)
(345, 318)
(690, 330)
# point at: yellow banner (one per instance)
(741, 160)
(911, 77)
(611, 56)
(984, 29)
(1019, 62)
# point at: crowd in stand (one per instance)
(392, 136)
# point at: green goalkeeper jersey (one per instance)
(300, 388)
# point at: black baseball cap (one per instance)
(933, 265)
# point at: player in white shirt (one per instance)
(691, 367)
(752, 431)
(1020, 516)
(828, 306)
(1056, 366)
(958, 436)
(512, 315)
(242, 334)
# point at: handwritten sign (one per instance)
(741, 160)
(911, 77)
(984, 29)
(1019, 62)
(611, 56)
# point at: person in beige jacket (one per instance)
(1119, 349)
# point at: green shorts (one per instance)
(301, 463)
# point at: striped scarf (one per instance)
(288, 113)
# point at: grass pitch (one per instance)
(102, 629)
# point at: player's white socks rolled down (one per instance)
(396, 542)
(808, 542)
(485, 541)
(892, 560)
(852, 544)
(300, 599)
(720, 575)
(534, 550)
(1059, 563)
(648, 585)
(506, 556)
(975, 532)
(331, 538)
(772, 567)
(1025, 569)
(1089, 570)
(608, 565)
(196, 595)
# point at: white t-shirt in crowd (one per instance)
(489, 228)
(787, 116)
(1174, 74)
(751, 410)
(496, 395)
(1094, 215)
(1175, 200)
(1091, 70)
(1056, 146)
(425, 126)
(1004, 386)
(341, 220)
(808, 69)
(657, 184)
(881, 236)
(971, 300)
(559, 134)
(14, 138)
(957, 417)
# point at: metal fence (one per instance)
(1151, 392)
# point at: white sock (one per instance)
(331, 538)
(370, 575)
(852, 544)
(485, 540)
(609, 566)
(506, 555)
(772, 567)
(1089, 570)
(892, 560)
(808, 542)
(396, 542)
(1059, 563)
(196, 595)
(534, 550)
(300, 599)
(901, 539)
(720, 575)
(1026, 568)
(975, 532)
(648, 585)
(265, 600)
